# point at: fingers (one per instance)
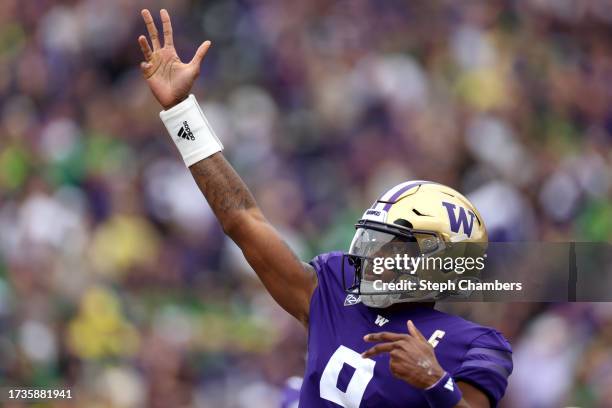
(383, 336)
(145, 67)
(414, 331)
(380, 348)
(145, 48)
(167, 27)
(148, 19)
(200, 53)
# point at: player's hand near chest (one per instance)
(413, 360)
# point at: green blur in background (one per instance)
(117, 283)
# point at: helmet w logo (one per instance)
(459, 219)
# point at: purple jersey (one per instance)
(336, 374)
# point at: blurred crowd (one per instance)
(117, 283)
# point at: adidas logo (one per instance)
(449, 385)
(185, 133)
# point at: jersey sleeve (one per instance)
(328, 267)
(328, 292)
(487, 365)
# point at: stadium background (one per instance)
(115, 280)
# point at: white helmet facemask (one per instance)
(375, 242)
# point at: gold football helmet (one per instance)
(415, 219)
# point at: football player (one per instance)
(366, 348)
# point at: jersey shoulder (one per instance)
(328, 262)
(329, 269)
(476, 334)
(487, 361)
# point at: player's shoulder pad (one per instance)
(328, 267)
(328, 261)
(491, 338)
(479, 336)
(487, 363)
(488, 348)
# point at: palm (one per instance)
(170, 79)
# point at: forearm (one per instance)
(290, 282)
(226, 193)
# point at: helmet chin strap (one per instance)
(378, 301)
(384, 300)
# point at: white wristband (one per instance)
(190, 131)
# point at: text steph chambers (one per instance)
(450, 285)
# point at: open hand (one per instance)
(170, 79)
(412, 358)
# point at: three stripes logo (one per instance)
(449, 385)
(185, 133)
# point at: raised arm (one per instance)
(289, 281)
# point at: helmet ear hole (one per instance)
(403, 223)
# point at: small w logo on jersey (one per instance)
(381, 321)
(461, 220)
(449, 385)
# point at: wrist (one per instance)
(175, 102)
(190, 131)
(433, 376)
(444, 393)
